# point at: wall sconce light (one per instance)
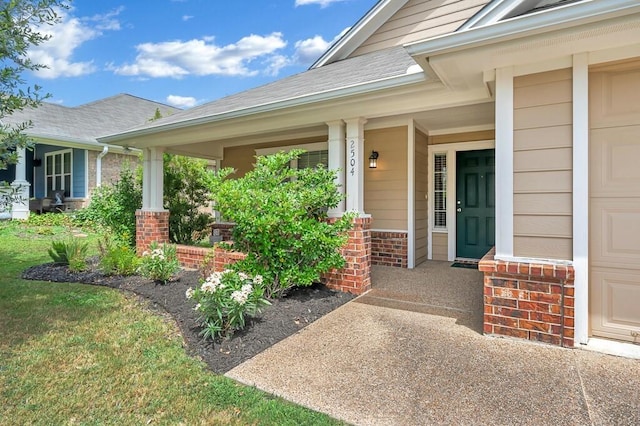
(373, 160)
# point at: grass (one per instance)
(79, 354)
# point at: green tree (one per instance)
(281, 222)
(114, 206)
(19, 23)
(186, 196)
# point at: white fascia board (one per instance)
(361, 31)
(491, 13)
(373, 86)
(528, 25)
(68, 142)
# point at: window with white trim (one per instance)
(440, 191)
(58, 172)
(316, 154)
(312, 159)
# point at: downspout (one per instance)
(104, 152)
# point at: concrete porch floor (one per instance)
(433, 287)
(368, 363)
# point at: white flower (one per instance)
(189, 293)
(243, 276)
(247, 288)
(258, 279)
(239, 297)
(208, 287)
(197, 308)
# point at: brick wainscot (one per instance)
(532, 301)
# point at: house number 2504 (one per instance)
(352, 157)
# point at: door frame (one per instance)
(450, 149)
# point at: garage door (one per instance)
(614, 238)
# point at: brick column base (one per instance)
(529, 300)
(355, 277)
(150, 227)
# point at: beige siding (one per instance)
(385, 188)
(421, 188)
(242, 158)
(440, 246)
(483, 135)
(542, 165)
(421, 20)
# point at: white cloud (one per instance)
(181, 101)
(322, 3)
(66, 36)
(308, 50)
(186, 17)
(200, 57)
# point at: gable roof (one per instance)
(377, 70)
(362, 30)
(84, 123)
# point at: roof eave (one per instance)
(575, 15)
(397, 81)
(69, 142)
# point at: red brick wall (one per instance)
(222, 229)
(529, 300)
(192, 257)
(389, 248)
(150, 227)
(355, 277)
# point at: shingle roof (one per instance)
(89, 121)
(343, 74)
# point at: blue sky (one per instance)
(184, 52)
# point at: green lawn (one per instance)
(79, 354)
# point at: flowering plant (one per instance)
(224, 298)
(159, 263)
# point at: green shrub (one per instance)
(186, 195)
(50, 219)
(224, 299)
(159, 263)
(114, 206)
(117, 257)
(72, 252)
(280, 221)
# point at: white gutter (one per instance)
(104, 152)
(70, 142)
(561, 18)
(414, 75)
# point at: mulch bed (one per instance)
(283, 318)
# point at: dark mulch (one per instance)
(283, 318)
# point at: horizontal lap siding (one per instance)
(385, 188)
(542, 163)
(421, 187)
(242, 158)
(420, 20)
(440, 246)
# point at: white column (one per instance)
(581, 195)
(20, 209)
(152, 179)
(411, 194)
(504, 163)
(336, 161)
(355, 163)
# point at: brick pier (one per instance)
(532, 301)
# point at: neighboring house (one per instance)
(512, 124)
(66, 156)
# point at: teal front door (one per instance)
(475, 203)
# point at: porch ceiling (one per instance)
(455, 119)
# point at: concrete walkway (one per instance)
(375, 365)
